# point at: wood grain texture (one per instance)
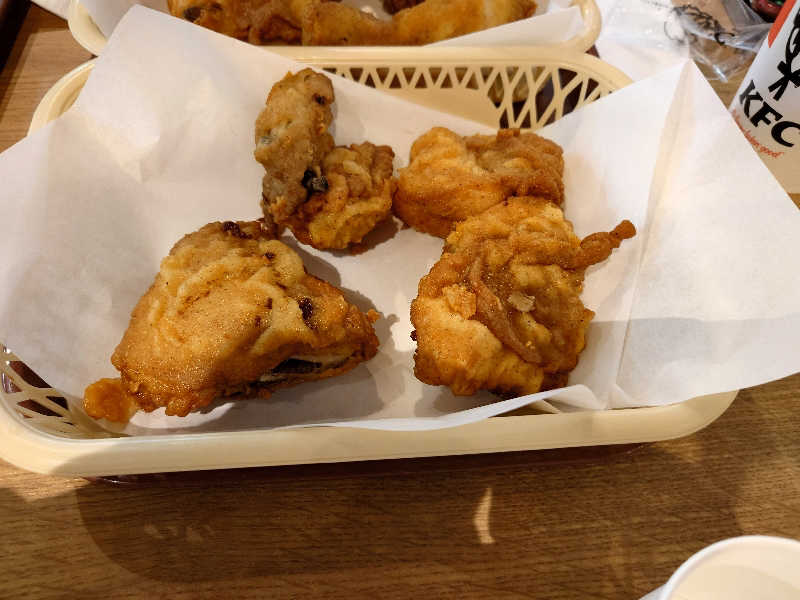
(592, 523)
(563, 524)
(44, 51)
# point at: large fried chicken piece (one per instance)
(450, 178)
(255, 21)
(501, 309)
(331, 24)
(329, 197)
(232, 311)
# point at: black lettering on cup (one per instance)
(779, 129)
(747, 96)
(785, 68)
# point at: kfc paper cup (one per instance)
(740, 568)
(767, 105)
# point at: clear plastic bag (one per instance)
(722, 35)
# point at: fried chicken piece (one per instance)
(292, 139)
(232, 311)
(358, 196)
(254, 21)
(329, 197)
(450, 178)
(501, 309)
(330, 24)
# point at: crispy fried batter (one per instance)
(292, 139)
(330, 24)
(232, 311)
(324, 22)
(255, 21)
(329, 197)
(359, 196)
(501, 309)
(450, 178)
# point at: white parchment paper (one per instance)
(554, 21)
(704, 299)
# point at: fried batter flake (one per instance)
(329, 197)
(232, 311)
(450, 178)
(501, 309)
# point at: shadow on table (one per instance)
(609, 522)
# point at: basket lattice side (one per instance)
(525, 96)
(40, 406)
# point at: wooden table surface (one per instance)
(610, 523)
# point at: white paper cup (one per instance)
(741, 568)
(767, 106)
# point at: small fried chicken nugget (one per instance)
(232, 311)
(501, 309)
(358, 196)
(292, 139)
(329, 197)
(450, 178)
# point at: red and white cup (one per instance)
(767, 105)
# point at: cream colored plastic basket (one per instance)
(41, 432)
(87, 34)
(499, 87)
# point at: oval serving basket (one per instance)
(510, 87)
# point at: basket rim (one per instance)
(600, 70)
(41, 452)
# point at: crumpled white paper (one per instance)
(704, 299)
(554, 21)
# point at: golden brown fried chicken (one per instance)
(232, 311)
(331, 24)
(450, 178)
(501, 309)
(292, 139)
(329, 197)
(358, 196)
(255, 21)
